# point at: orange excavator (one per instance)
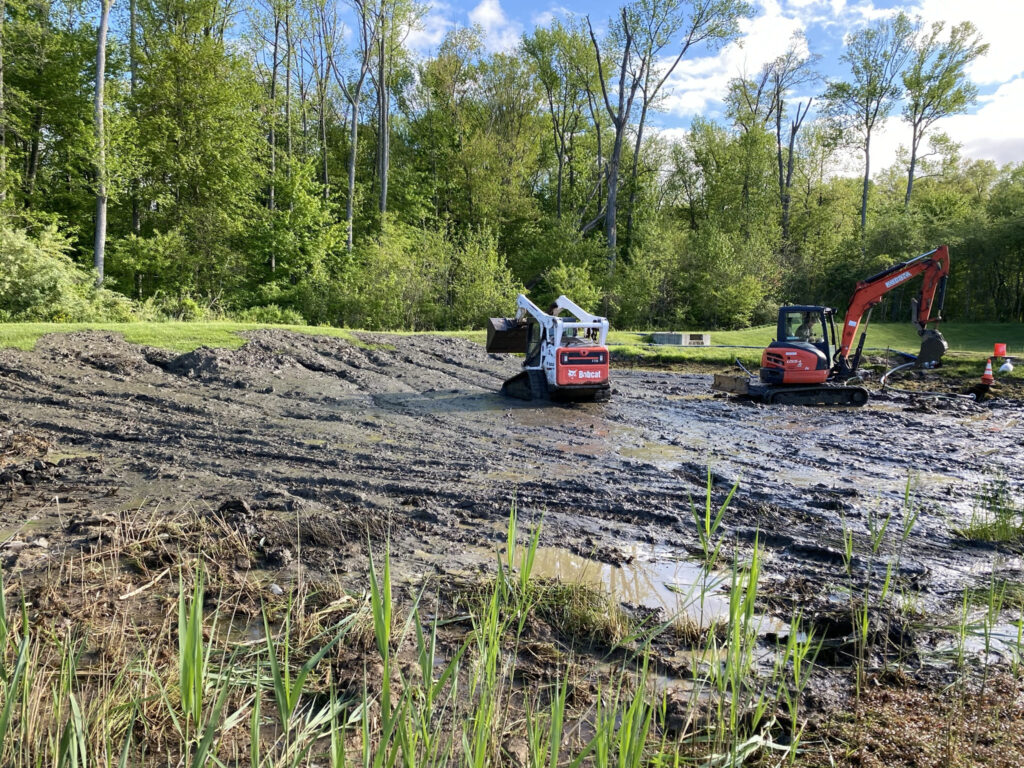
(809, 363)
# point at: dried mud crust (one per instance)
(322, 444)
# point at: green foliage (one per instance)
(185, 308)
(40, 282)
(418, 279)
(573, 280)
(997, 516)
(481, 283)
(227, 159)
(270, 314)
(646, 288)
(716, 287)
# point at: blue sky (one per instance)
(994, 129)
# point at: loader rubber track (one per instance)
(527, 385)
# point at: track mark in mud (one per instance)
(358, 429)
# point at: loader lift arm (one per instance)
(555, 325)
(927, 307)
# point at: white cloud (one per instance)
(500, 32)
(426, 37)
(700, 82)
(671, 135)
(544, 18)
(995, 132)
(999, 24)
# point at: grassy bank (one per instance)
(968, 342)
(967, 339)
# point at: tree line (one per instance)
(298, 161)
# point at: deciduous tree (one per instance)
(936, 82)
(876, 56)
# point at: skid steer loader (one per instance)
(565, 358)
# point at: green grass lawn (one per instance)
(967, 342)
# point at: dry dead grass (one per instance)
(932, 726)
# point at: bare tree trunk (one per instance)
(620, 119)
(32, 166)
(786, 167)
(323, 143)
(353, 142)
(133, 63)
(383, 126)
(288, 93)
(303, 112)
(100, 242)
(867, 182)
(611, 208)
(272, 132)
(353, 95)
(633, 173)
(3, 114)
(914, 143)
(598, 136)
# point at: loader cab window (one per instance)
(533, 345)
(805, 326)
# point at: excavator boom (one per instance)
(934, 265)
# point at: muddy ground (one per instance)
(312, 446)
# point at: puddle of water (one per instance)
(657, 452)
(26, 529)
(655, 577)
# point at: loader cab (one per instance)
(809, 325)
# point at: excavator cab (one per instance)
(811, 325)
(804, 346)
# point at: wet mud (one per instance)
(312, 447)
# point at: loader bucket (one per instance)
(506, 336)
(933, 347)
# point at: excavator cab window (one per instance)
(804, 326)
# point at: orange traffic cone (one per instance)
(987, 377)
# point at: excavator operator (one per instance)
(806, 329)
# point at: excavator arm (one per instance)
(934, 265)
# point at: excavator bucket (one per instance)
(506, 336)
(933, 347)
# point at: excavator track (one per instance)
(834, 395)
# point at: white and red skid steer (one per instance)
(566, 358)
